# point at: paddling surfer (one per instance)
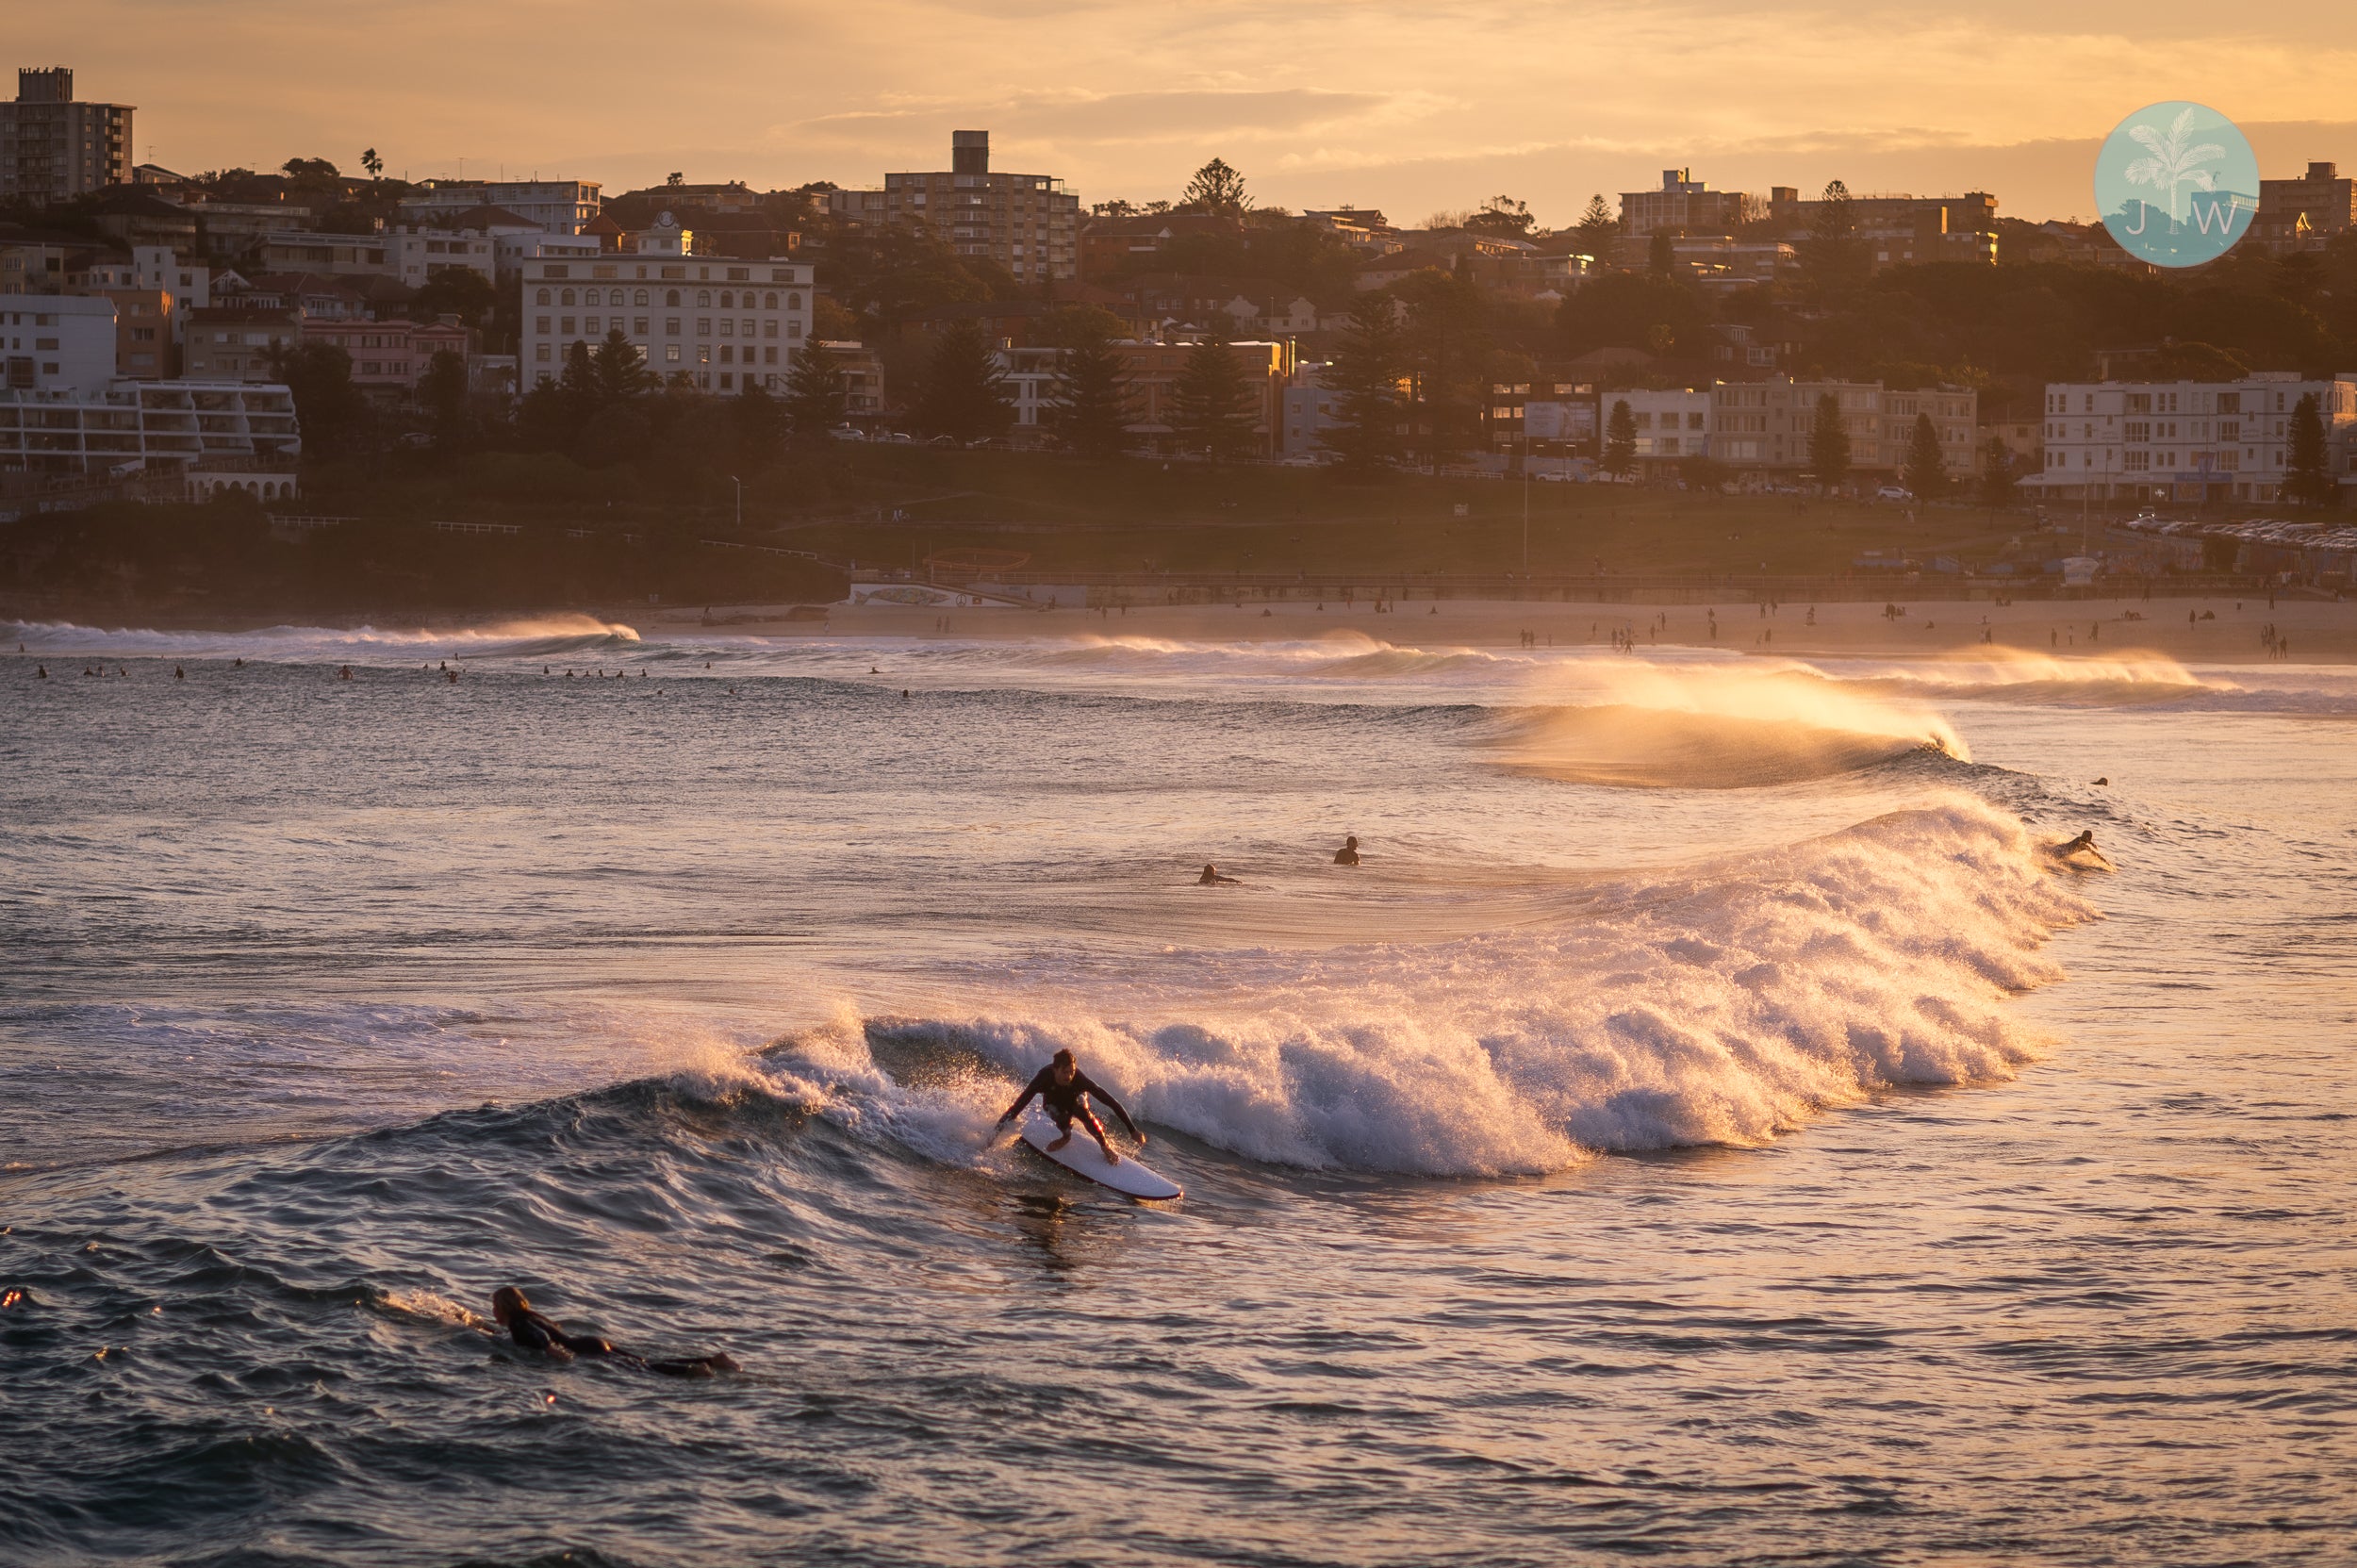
(1212, 877)
(1064, 1093)
(1348, 854)
(2084, 844)
(534, 1332)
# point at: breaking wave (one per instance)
(538, 636)
(1724, 1005)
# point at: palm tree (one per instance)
(2173, 160)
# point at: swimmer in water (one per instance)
(534, 1332)
(1211, 877)
(1064, 1092)
(1348, 854)
(2082, 845)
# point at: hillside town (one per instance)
(207, 331)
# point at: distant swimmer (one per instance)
(1064, 1092)
(535, 1332)
(1211, 877)
(2106, 779)
(1348, 854)
(179, 673)
(41, 670)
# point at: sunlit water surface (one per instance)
(1707, 1129)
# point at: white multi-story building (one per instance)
(58, 343)
(64, 410)
(1670, 425)
(2186, 440)
(725, 325)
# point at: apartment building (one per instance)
(1028, 224)
(2295, 213)
(133, 424)
(389, 358)
(1899, 230)
(557, 207)
(1150, 372)
(52, 147)
(235, 343)
(1686, 206)
(1763, 427)
(58, 343)
(1671, 425)
(410, 253)
(2186, 440)
(726, 327)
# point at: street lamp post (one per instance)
(740, 502)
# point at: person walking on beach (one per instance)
(1064, 1092)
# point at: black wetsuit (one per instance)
(535, 1332)
(1062, 1101)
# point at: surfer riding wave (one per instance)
(1064, 1093)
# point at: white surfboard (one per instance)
(1081, 1157)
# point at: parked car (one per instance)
(847, 432)
(1894, 492)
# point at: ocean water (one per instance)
(1708, 1129)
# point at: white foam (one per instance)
(1723, 1004)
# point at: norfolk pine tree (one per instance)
(1619, 440)
(1828, 444)
(1926, 475)
(815, 400)
(966, 394)
(2309, 474)
(1090, 407)
(1211, 402)
(1369, 363)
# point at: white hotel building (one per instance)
(2186, 440)
(726, 325)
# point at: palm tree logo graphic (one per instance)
(2173, 159)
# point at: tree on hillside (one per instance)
(1661, 257)
(442, 391)
(1997, 475)
(330, 413)
(1369, 363)
(374, 165)
(1927, 476)
(1597, 228)
(816, 399)
(455, 292)
(1833, 258)
(1619, 440)
(1829, 444)
(965, 393)
(2308, 475)
(1213, 406)
(1217, 189)
(1090, 409)
(1502, 215)
(617, 370)
(1448, 347)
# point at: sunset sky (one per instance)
(1408, 109)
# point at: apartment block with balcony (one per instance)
(52, 147)
(2186, 440)
(725, 327)
(1671, 425)
(557, 207)
(236, 343)
(1028, 224)
(389, 358)
(1900, 230)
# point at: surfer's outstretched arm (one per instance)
(1097, 1095)
(1038, 1085)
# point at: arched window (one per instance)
(728, 300)
(793, 302)
(670, 297)
(566, 298)
(641, 297)
(704, 297)
(544, 296)
(769, 301)
(590, 296)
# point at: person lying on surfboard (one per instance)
(534, 1332)
(2084, 844)
(1064, 1092)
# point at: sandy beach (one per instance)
(2192, 631)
